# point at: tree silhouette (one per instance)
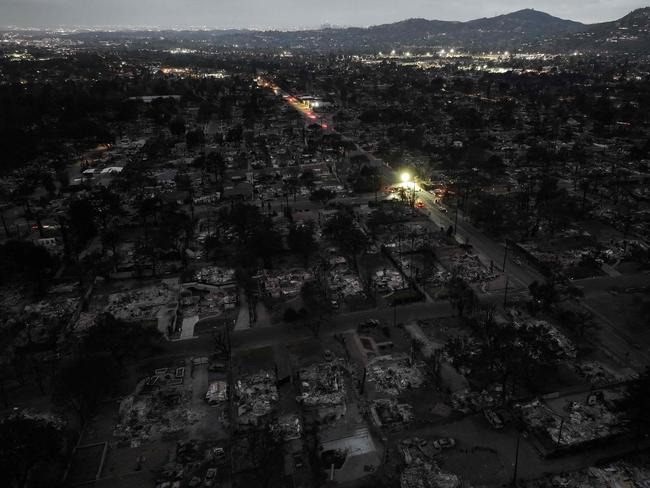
(83, 382)
(27, 443)
(301, 240)
(121, 340)
(637, 404)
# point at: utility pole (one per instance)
(559, 434)
(505, 257)
(505, 296)
(456, 217)
(413, 194)
(514, 474)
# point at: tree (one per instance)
(222, 344)
(460, 295)
(108, 205)
(83, 382)
(177, 126)
(342, 229)
(121, 340)
(82, 221)
(317, 306)
(637, 405)
(266, 242)
(322, 195)
(216, 161)
(301, 239)
(266, 452)
(544, 294)
(27, 443)
(504, 353)
(25, 262)
(213, 246)
(110, 239)
(307, 178)
(367, 180)
(195, 138)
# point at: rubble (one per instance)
(394, 374)
(425, 475)
(563, 347)
(288, 427)
(49, 316)
(389, 280)
(597, 373)
(256, 397)
(212, 302)
(158, 407)
(619, 474)
(472, 401)
(144, 303)
(217, 392)
(284, 284)
(214, 275)
(342, 281)
(580, 422)
(388, 412)
(470, 269)
(323, 389)
(85, 321)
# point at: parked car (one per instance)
(210, 477)
(218, 454)
(444, 443)
(493, 418)
(297, 459)
(368, 325)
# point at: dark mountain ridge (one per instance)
(524, 30)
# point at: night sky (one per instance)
(285, 14)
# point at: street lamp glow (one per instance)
(406, 177)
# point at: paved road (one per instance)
(285, 333)
(614, 335)
(487, 456)
(520, 276)
(602, 285)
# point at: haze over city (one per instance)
(283, 14)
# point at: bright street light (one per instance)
(406, 177)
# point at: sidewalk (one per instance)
(243, 321)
